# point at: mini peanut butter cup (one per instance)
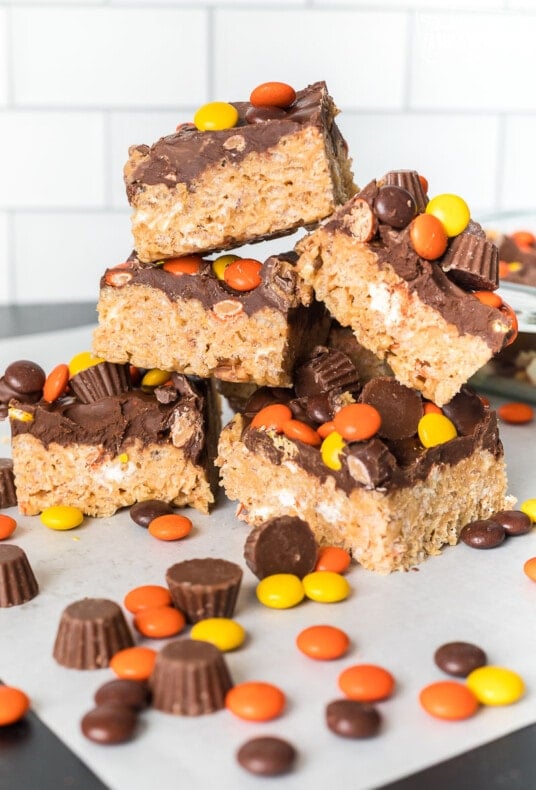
(17, 581)
(8, 493)
(282, 545)
(472, 262)
(205, 587)
(409, 180)
(100, 381)
(190, 678)
(399, 406)
(327, 370)
(90, 632)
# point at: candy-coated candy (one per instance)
(524, 238)
(155, 378)
(325, 429)
(490, 298)
(515, 266)
(19, 414)
(296, 429)
(215, 116)
(148, 596)
(280, 591)
(255, 701)
(273, 416)
(8, 526)
(56, 383)
(222, 632)
(332, 558)
(509, 313)
(357, 421)
(170, 526)
(424, 183)
(243, 274)
(14, 703)
(516, 413)
(529, 507)
(435, 429)
(495, 685)
(133, 663)
(82, 361)
(188, 264)
(61, 517)
(220, 264)
(330, 450)
(452, 211)
(428, 237)
(326, 586)
(529, 568)
(448, 699)
(366, 683)
(504, 269)
(159, 622)
(431, 408)
(272, 94)
(323, 642)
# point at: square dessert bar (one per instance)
(118, 449)
(420, 316)
(196, 191)
(197, 324)
(391, 499)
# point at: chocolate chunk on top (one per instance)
(472, 262)
(326, 370)
(282, 545)
(399, 406)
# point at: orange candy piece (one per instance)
(516, 413)
(255, 701)
(332, 558)
(8, 526)
(187, 264)
(490, 298)
(133, 663)
(428, 236)
(431, 408)
(159, 622)
(366, 683)
(273, 416)
(273, 94)
(524, 238)
(424, 184)
(325, 429)
(148, 596)
(14, 703)
(357, 421)
(529, 568)
(56, 383)
(323, 642)
(170, 526)
(448, 699)
(243, 274)
(504, 269)
(296, 429)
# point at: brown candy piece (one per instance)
(143, 513)
(360, 222)
(399, 406)
(267, 756)
(351, 719)
(472, 262)
(90, 632)
(326, 370)
(124, 692)
(370, 463)
(459, 658)
(8, 492)
(282, 545)
(109, 724)
(17, 581)
(410, 181)
(514, 522)
(483, 534)
(25, 376)
(395, 206)
(204, 587)
(100, 381)
(465, 410)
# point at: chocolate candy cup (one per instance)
(409, 180)
(282, 545)
(90, 632)
(206, 587)
(8, 493)
(472, 262)
(101, 380)
(17, 581)
(190, 678)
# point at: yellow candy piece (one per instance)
(123, 458)
(452, 211)
(280, 591)
(222, 632)
(220, 264)
(515, 266)
(326, 586)
(330, 450)
(495, 685)
(155, 378)
(215, 116)
(83, 361)
(529, 507)
(62, 517)
(435, 429)
(19, 414)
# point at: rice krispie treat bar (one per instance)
(274, 170)
(101, 453)
(391, 491)
(412, 305)
(157, 315)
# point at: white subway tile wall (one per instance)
(442, 86)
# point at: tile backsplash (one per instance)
(441, 86)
